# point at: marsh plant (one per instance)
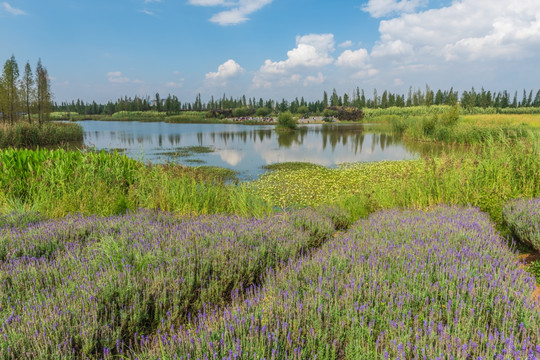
(286, 121)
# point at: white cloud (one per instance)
(392, 48)
(12, 10)
(346, 44)
(237, 11)
(362, 74)
(116, 77)
(311, 51)
(380, 8)
(398, 82)
(353, 59)
(148, 12)
(313, 80)
(227, 70)
(463, 31)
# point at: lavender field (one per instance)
(522, 216)
(398, 285)
(73, 287)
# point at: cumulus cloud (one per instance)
(311, 51)
(353, 59)
(237, 11)
(465, 30)
(227, 70)
(12, 10)
(380, 8)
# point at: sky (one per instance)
(105, 49)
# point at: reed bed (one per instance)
(31, 135)
(80, 287)
(57, 182)
(399, 285)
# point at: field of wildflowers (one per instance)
(440, 284)
(71, 288)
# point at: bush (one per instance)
(523, 219)
(303, 110)
(264, 111)
(285, 120)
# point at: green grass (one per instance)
(486, 177)
(58, 182)
(23, 134)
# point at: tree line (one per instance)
(22, 97)
(358, 99)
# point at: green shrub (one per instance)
(263, 111)
(286, 121)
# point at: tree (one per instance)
(43, 93)
(536, 101)
(28, 91)
(325, 100)
(10, 97)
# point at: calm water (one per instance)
(245, 148)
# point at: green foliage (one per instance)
(59, 182)
(263, 111)
(303, 110)
(534, 268)
(486, 177)
(23, 134)
(286, 121)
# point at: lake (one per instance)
(246, 148)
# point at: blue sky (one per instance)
(102, 49)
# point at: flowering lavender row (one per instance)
(74, 287)
(523, 218)
(399, 285)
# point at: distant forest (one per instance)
(415, 97)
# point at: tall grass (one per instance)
(31, 135)
(59, 182)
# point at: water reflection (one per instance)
(247, 148)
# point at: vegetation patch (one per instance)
(401, 284)
(23, 134)
(292, 166)
(122, 277)
(522, 216)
